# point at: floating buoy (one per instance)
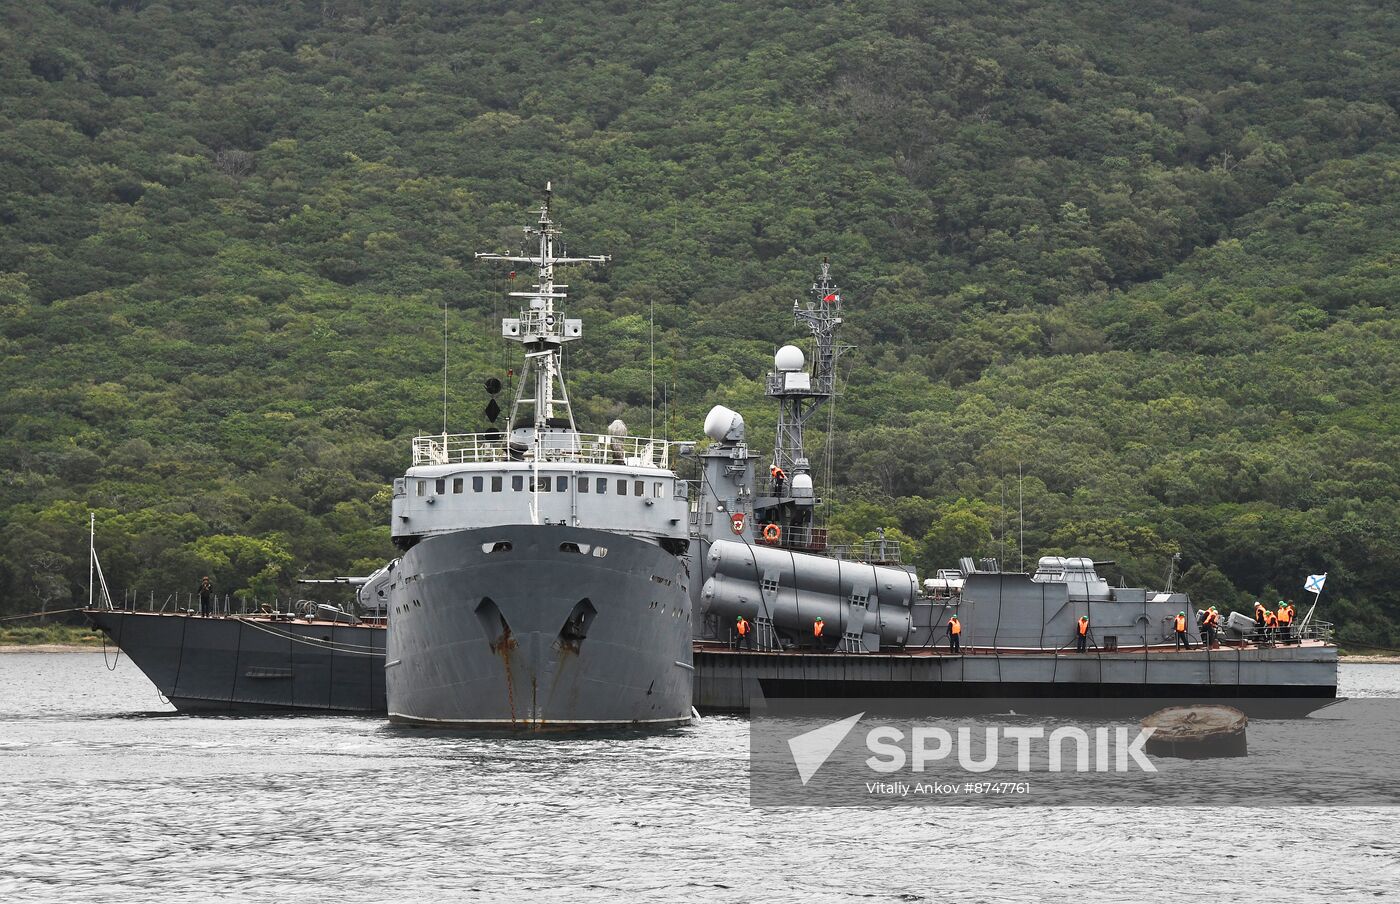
(1197, 732)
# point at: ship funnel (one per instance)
(789, 357)
(724, 426)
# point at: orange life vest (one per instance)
(1181, 623)
(743, 627)
(1083, 626)
(1291, 613)
(1212, 619)
(1270, 619)
(817, 629)
(1284, 616)
(777, 473)
(954, 626)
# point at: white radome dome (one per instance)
(789, 357)
(801, 482)
(722, 423)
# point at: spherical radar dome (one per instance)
(723, 424)
(789, 357)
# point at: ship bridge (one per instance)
(607, 481)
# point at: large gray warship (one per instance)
(543, 583)
(763, 556)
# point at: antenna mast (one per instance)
(542, 329)
(799, 394)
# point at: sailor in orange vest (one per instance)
(1285, 622)
(1270, 625)
(1209, 624)
(1260, 622)
(1181, 638)
(1292, 616)
(778, 476)
(954, 634)
(817, 631)
(742, 625)
(1083, 633)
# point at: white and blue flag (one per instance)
(1314, 582)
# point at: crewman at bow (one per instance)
(1083, 630)
(742, 626)
(954, 634)
(1181, 639)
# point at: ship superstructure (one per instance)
(542, 583)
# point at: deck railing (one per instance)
(579, 448)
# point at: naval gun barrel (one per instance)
(794, 588)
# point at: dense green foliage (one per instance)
(1142, 251)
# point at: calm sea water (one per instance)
(105, 795)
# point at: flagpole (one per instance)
(1317, 595)
(92, 551)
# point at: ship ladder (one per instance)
(765, 635)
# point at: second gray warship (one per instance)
(830, 621)
(542, 583)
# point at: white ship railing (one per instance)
(577, 448)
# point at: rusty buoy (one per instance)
(1197, 732)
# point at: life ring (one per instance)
(771, 533)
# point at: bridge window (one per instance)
(439, 486)
(544, 484)
(456, 484)
(561, 484)
(583, 484)
(422, 487)
(601, 485)
(622, 488)
(477, 484)
(517, 483)
(656, 489)
(496, 484)
(639, 488)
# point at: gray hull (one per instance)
(247, 663)
(510, 627)
(1283, 681)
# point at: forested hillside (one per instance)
(1144, 252)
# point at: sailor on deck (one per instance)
(1181, 639)
(1285, 622)
(778, 475)
(1083, 630)
(1210, 623)
(817, 631)
(954, 634)
(1260, 622)
(741, 625)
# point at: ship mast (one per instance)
(543, 330)
(800, 394)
